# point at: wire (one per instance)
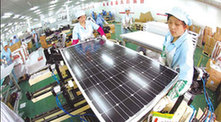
(208, 101)
(60, 106)
(193, 113)
(54, 77)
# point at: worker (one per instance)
(104, 12)
(7, 59)
(34, 36)
(15, 40)
(93, 15)
(100, 20)
(178, 54)
(84, 29)
(110, 14)
(126, 21)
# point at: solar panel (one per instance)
(117, 82)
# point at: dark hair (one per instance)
(169, 15)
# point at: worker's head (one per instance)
(5, 45)
(127, 11)
(178, 21)
(81, 16)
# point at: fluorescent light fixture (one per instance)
(77, 3)
(52, 6)
(53, 1)
(68, 2)
(36, 11)
(218, 1)
(8, 14)
(9, 24)
(22, 17)
(34, 8)
(82, 0)
(4, 17)
(2, 25)
(16, 23)
(35, 19)
(16, 16)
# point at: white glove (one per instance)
(178, 89)
(161, 104)
(104, 37)
(162, 60)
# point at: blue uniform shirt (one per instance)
(81, 33)
(6, 55)
(183, 56)
(100, 20)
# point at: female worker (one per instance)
(126, 21)
(7, 59)
(178, 53)
(84, 29)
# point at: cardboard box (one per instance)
(215, 75)
(108, 35)
(218, 112)
(217, 36)
(144, 17)
(218, 29)
(15, 46)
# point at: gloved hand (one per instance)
(104, 37)
(162, 104)
(162, 58)
(178, 89)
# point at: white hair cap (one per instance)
(181, 15)
(127, 8)
(4, 43)
(79, 14)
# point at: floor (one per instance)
(32, 109)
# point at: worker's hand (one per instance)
(104, 37)
(178, 89)
(162, 60)
(162, 104)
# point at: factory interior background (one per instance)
(46, 88)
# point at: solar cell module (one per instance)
(117, 82)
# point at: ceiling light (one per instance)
(82, 0)
(16, 16)
(22, 17)
(8, 14)
(36, 11)
(68, 2)
(34, 8)
(218, 1)
(4, 17)
(53, 1)
(52, 6)
(9, 24)
(77, 2)
(2, 25)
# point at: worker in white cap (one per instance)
(127, 21)
(7, 59)
(84, 29)
(178, 53)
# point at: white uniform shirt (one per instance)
(81, 33)
(126, 20)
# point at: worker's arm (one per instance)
(75, 36)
